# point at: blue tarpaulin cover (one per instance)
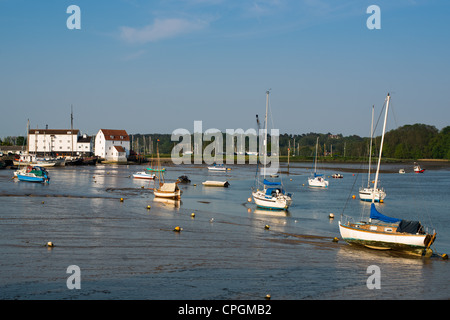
(317, 175)
(268, 183)
(374, 214)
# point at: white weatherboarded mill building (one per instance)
(112, 145)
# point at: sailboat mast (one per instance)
(381, 147)
(370, 150)
(315, 161)
(71, 128)
(265, 131)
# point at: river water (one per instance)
(126, 251)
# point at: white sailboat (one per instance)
(167, 190)
(386, 233)
(368, 193)
(417, 168)
(317, 180)
(270, 195)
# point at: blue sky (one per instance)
(155, 66)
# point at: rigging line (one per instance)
(378, 120)
(391, 105)
(422, 200)
(351, 189)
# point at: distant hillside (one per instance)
(415, 141)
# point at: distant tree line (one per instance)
(417, 141)
(13, 141)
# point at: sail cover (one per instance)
(409, 226)
(317, 175)
(169, 187)
(268, 183)
(374, 214)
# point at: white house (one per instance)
(58, 141)
(112, 145)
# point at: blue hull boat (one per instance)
(36, 174)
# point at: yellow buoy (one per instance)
(444, 256)
(249, 199)
(381, 200)
(267, 227)
(148, 207)
(353, 196)
(331, 216)
(42, 202)
(177, 229)
(335, 239)
(193, 215)
(121, 199)
(49, 244)
(267, 297)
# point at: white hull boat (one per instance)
(272, 194)
(271, 201)
(144, 175)
(168, 191)
(385, 233)
(317, 182)
(210, 183)
(367, 194)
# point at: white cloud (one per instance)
(160, 29)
